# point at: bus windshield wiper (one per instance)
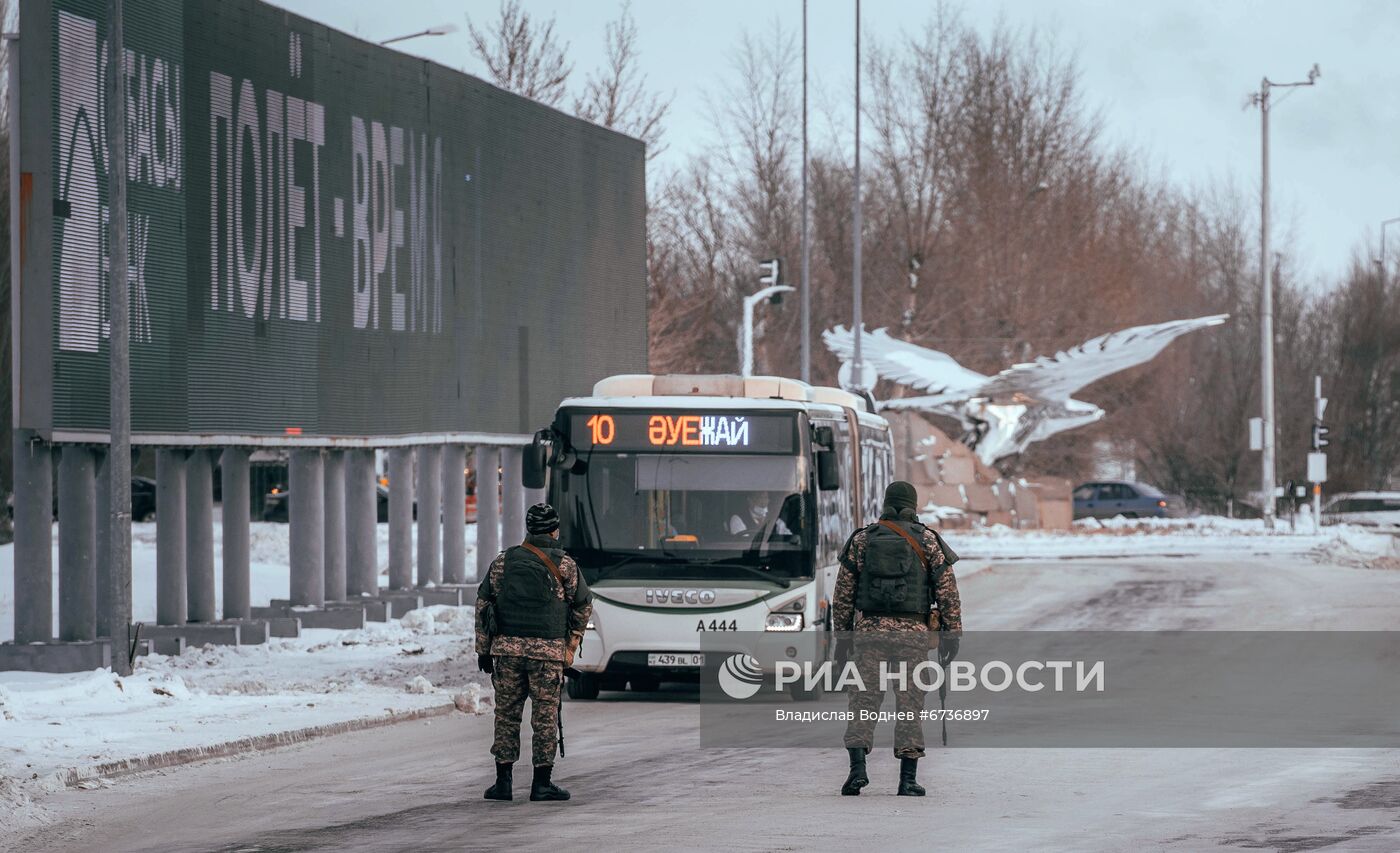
(669, 560)
(633, 558)
(768, 576)
(760, 573)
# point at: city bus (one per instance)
(700, 504)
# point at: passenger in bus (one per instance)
(754, 519)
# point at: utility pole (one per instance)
(806, 248)
(1266, 298)
(118, 351)
(857, 323)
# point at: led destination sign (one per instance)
(707, 431)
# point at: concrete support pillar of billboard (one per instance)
(512, 496)
(77, 544)
(487, 461)
(170, 537)
(401, 518)
(33, 496)
(235, 487)
(103, 551)
(335, 525)
(429, 515)
(361, 525)
(199, 537)
(454, 513)
(307, 514)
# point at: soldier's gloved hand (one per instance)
(485, 664)
(842, 654)
(948, 649)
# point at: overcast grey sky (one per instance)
(1170, 79)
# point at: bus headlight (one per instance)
(589, 626)
(783, 622)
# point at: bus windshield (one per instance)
(684, 515)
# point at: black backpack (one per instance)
(894, 579)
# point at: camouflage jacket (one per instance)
(575, 591)
(843, 606)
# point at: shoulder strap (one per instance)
(914, 543)
(548, 563)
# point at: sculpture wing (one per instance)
(908, 364)
(1057, 377)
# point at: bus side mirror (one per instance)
(532, 471)
(828, 472)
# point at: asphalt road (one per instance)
(641, 781)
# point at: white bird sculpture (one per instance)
(1025, 403)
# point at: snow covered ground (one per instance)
(1204, 536)
(268, 558)
(50, 724)
(215, 694)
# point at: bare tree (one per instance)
(1030, 234)
(616, 96)
(522, 55)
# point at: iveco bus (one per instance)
(698, 504)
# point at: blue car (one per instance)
(1111, 498)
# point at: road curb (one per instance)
(74, 777)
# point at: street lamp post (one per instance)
(806, 246)
(1380, 261)
(1266, 298)
(857, 322)
(746, 332)
(439, 30)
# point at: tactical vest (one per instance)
(527, 604)
(893, 580)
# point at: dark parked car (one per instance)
(1110, 498)
(143, 499)
(275, 505)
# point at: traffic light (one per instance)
(772, 271)
(1319, 436)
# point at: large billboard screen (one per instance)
(326, 237)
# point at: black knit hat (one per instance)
(540, 519)
(901, 495)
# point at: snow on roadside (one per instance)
(214, 694)
(1205, 536)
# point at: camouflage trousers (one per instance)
(892, 649)
(515, 679)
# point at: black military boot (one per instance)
(857, 778)
(542, 788)
(501, 790)
(908, 767)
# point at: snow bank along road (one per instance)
(640, 780)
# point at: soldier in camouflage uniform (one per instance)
(531, 612)
(900, 637)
